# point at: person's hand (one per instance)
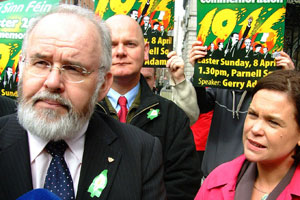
(197, 52)
(284, 61)
(175, 65)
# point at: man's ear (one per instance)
(108, 79)
(146, 51)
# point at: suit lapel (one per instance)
(14, 159)
(98, 156)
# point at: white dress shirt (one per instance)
(40, 158)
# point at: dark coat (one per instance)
(7, 106)
(136, 172)
(171, 126)
(224, 142)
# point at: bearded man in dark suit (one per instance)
(65, 70)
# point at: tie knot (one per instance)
(56, 148)
(122, 101)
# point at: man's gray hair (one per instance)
(103, 32)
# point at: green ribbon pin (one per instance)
(98, 184)
(152, 114)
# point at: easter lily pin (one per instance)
(98, 184)
(153, 113)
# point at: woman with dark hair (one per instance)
(269, 167)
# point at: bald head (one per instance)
(125, 23)
(129, 51)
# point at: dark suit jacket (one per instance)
(135, 173)
(7, 106)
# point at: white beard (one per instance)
(49, 124)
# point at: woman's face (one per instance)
(271, 132)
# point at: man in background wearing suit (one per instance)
(65, 69)
(146, 27)
(152, 113)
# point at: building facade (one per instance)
(189, 26)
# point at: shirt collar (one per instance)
(76, 144)
(113, 96)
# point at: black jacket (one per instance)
(7, 106)
(224, 142)
(171, 126)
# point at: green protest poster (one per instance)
(16, 16)
(156, 18)
(242, 37)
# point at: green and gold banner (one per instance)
(15, 17)
(156, 18)
(242, 37)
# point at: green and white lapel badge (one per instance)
(153, 113)
(98, 184)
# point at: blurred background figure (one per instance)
(9, 81)
(266, 54)
(146, 26)
(219, 52)
(150, 76)
(134, 14)
(155, 31)
(257, 54)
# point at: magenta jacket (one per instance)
(220, 184)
